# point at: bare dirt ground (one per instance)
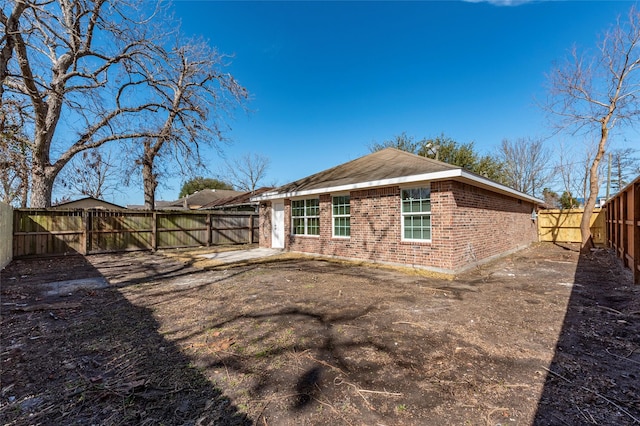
(543, 337)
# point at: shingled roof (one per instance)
(235, 201)
(384, 164)
(386, 167)
(201, 198)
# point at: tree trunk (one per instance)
(149, 183)
(585, 223)
(41, 187)
(43, 173)
(594, 187)
(24, 191)
(149, 179)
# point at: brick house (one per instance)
(399, 208)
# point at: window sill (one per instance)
(419, 242)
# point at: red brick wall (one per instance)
(264, 223)
(469, 224)
(486, 224)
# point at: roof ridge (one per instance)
(428, 159)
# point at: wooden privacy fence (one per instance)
(563, 226)
(623, 226)
(49, 231)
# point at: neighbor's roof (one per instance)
(239, 200)
(386, 167)
(205, 196)
(87, 203)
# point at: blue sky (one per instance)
(328, 79)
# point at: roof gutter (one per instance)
(454, 174)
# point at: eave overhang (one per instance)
(457, 174)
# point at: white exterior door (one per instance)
(277, 224)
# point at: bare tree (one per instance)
(246, 172)
(15, 159)
(574, 165)
(192, 98)
(593, 93)
(93, 174)
(525, 164)
(75, 63)
(569, 169)
(623, 163)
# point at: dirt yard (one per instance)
(542, 337)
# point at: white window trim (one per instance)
(403, 214)
(305, 218)
(334, 216)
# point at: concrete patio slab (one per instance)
(241, 255)
(64, 288)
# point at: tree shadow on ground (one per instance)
(594, 377)
(92, 357)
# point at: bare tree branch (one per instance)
(246, 172)
(594, 97)
(51, 60)
(193, 96)
(525, 165)
(92, 174)
(15, 158)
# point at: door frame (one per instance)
(277, 224)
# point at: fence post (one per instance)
(635, 231)
(86, 218)
(154, 231)
(624, 238)
(608, 225)
(617, 202)
(251, 228)
(209, 230)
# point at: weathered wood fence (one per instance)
(623, 226)
(52, 231)
(563, 226)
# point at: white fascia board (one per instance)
(455, 174)
(496, 187)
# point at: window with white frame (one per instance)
(305, 216)
(341, 210)
(416, 214)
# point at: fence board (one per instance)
(175, 230)
(623, 226)
(119, 230)
(41, 232)
(231, 230)
(53, 231)
(564, 226)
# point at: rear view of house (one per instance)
(399, 208)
